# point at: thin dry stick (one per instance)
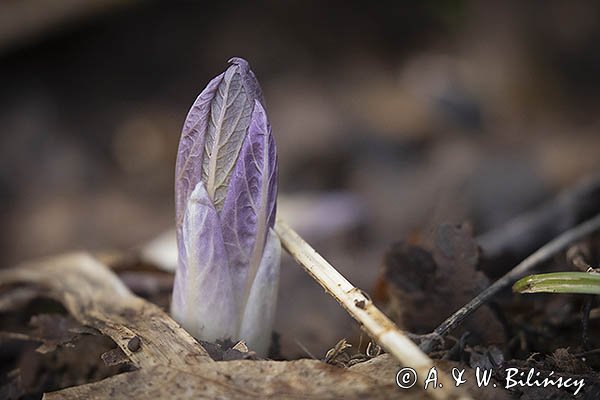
(538, 257)
(362, 309)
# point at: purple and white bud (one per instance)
(225, 194)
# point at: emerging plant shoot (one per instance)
(225, 192)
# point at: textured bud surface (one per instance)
(225, 192)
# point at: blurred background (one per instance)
(390, 118)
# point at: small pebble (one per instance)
(360, 304)
(134, 344)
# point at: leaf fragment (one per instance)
(560, 282)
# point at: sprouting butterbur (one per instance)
(225, 192)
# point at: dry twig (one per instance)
(513, 241)
(361, 308)
(535, 259)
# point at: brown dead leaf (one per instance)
(170, 363)
(114, 357)
(424, 287)
(56, 330)
(96, 297)
(302, 379)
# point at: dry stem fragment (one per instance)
(372, 320)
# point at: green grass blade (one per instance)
(560, 282)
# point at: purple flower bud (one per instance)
(225, 194)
